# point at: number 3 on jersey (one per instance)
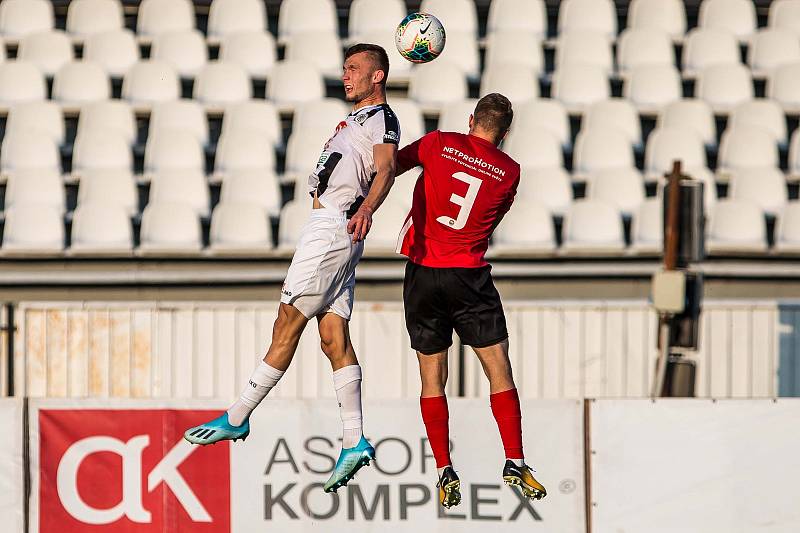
(466, 202)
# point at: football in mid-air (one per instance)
(420, 37)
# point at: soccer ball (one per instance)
(420, 38)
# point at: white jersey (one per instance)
(346, 167)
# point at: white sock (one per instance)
(262, 381)
(347, 382)
(517, 462)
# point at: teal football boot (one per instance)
(350, 461)
(217, 430)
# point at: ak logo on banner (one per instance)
(130, 470)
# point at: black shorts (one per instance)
(439, 300)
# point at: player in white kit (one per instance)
(353, 176)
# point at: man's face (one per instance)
(357, 76)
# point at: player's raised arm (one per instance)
(385, 155)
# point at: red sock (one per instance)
(506, 411)
(436, 416)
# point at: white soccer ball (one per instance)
(420, 37)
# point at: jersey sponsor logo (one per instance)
(391, 136)
(472, 160)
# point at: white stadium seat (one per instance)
(794, 154)
(692, 113)
(220, 84)
(49, 50)
(517, 48)
(186, 51)
(765, 186)
(402, 192)
(454, 117)
(670, 143)
(239, 229)
(783, 85)
(368, 16)
(302, 153)
(35, 187)
(254, 51)
(399, 67)
(593, 227)
(109, 187)
(33, 229)
(149, 82)
(787, 229)
(181, 186)
(545, 112)
(599, 15)
(517, 83)
(85, 17)
(763, 114)
(616, 113)
(243, 149)
(641, 47)
(708, 179)
(597, 149)
(387, 223)
(303, 16)
(724, 86)
(116, 51)
(321, 49)
(292, 83)
(647, 227)
(462, 50)
(433, 86)
(736, 226)
(584, 47)
(101, 150)
(578, 86)
(255, 186)
(226, 17)
(538, 237)
(29, 150)
(651, 87)
(186, 115)
(294, 216)
(164, 16)
(665, 15)
(257, 115)
(528, 16)
(79, 83)
(44, 117)
(622, 187)
(173, 149)
(704, 47)
(21, 17)
(534, 146)
(747, 147)
(455, 15)
(21, 81)
(735, 16)
(412, 123)
(108, 116)
(100, 228)
(785, 15)
(550, 187)
(770, 49)
(170, 229)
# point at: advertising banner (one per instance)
(122, 467)
(11, 467)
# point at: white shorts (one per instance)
(322, 276)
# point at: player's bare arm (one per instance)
(385, 155)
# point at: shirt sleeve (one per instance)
(384, 128)
(415, 153)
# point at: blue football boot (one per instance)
(350, 460)
(217, 430)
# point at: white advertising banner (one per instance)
(11, 467)
(121, 466)
(695, 466)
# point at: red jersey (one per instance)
(466, 187)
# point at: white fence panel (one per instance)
(12, 495)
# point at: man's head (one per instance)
(491, 118)
(364, 73)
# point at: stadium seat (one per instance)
(181, 186)
(692, 113)
(724, 86)
(304, 16)
(454, 117)
(746, 147)
(433, 86)
(169, 229)
(22, 17)
(584, 47)
(622, 187)
(29, 150)
(770, 49)
(294, 216)
(736, 226)
(455, 15)
(302, 153)
(239, 229)
(34, 229)
(186, 51)
(550, 187)
(462, 51)
(783, 85)
(539, 235)
(257, 115)
(785, 15)
(412, 123)
(787, 229)
(173, 149)
(402, 192)
(399, 67)
(517, 48)
(220, 84)
(45, 117)
(593, 227)
(735, 16)
(708, 179)
(292, 83)
(704, 47)
(254, 51)
(35, 187)
(149, 82)
(651, 87)
(518, 83)
(525, 16)
(79, 83)
(20, 81)
(647, 227)
(49, 50)
(85, 17)
(534, 146)
(597, 149)
(369, 16)
(642, 47)
(253, 186)
(578, 86)
(100, 228)
(615, 113)
(321, 49)
(545, 112)
(226, 17)
(186, 115)
(100, 150)
(156, 17)
(387, 223)
(763, 114)
(766, 187)
(110, 187)
(670, 143)
(794, 154)
(580, 15)
(243, 149)
(665, 15)
(108, 116)
(301, 191)
(115, 51)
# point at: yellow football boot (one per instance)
(449, 488)
(521, 476)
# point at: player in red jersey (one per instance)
(466, 187)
